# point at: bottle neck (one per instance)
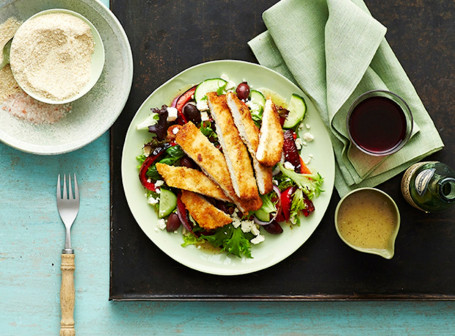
(447, 189)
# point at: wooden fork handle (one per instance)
(67, 296)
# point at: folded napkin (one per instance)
(334, 50)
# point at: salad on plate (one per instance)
(223, 165)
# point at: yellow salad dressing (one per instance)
(367, 219)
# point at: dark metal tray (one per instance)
(166, 38)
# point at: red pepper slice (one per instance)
(280, 217)
(182, 214)
(183, 99)
(303, 167)
(150, 160)
(309, 207)
(291, 154)
(286, 201)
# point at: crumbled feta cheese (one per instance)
(204, 116)
(158, 191)
(246, 225)
(225, 77)
(252, 105)
(275, 182)
(149, 180)
(307, 126)
(152, 200)
(159, 183)
(298, 143)
(258, 239)
(175, 130)
(308, 137)
(289, 165)
(230, 85)
(171, 114)
(202, 105)
(236, 222)
(250, 226)
(310, 157)
(161, 224)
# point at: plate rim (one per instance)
(206, 270)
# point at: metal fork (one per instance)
(68, 208)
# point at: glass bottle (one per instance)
(429, 186)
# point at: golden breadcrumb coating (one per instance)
(204, 213)
(191, 180)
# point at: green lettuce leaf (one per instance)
(311, 184)
(232, 240)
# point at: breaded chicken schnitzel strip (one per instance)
(204, 213)
(250, 135)
(191, 180)
(212, 162)
(234, 150)
(271, 136)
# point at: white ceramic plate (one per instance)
(95, 112)
(275, 248)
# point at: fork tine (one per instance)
(65, 195)
(59, 191)
(70, 189)
(76, 188)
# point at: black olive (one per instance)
(243, 90)
(273, 228)
(173, 222)
(186, 162)
(192, 113)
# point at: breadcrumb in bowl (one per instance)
(91, 115)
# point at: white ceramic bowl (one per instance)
(95, 112)
(96, 66)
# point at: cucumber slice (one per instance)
(262, 215)
(209, 85)
(168, 202)
(257, 101)
(297, 109)
(276, 98)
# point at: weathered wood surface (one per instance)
(32, 236)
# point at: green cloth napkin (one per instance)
(334, 50)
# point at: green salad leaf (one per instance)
(207, 129)
(311, 184)
(191, 239)
(221, 90)
(267, 204)
(232, 240)
(297, 205)
(173, 154)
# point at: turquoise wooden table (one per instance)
(32, 236)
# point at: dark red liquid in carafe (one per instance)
(378, 125)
